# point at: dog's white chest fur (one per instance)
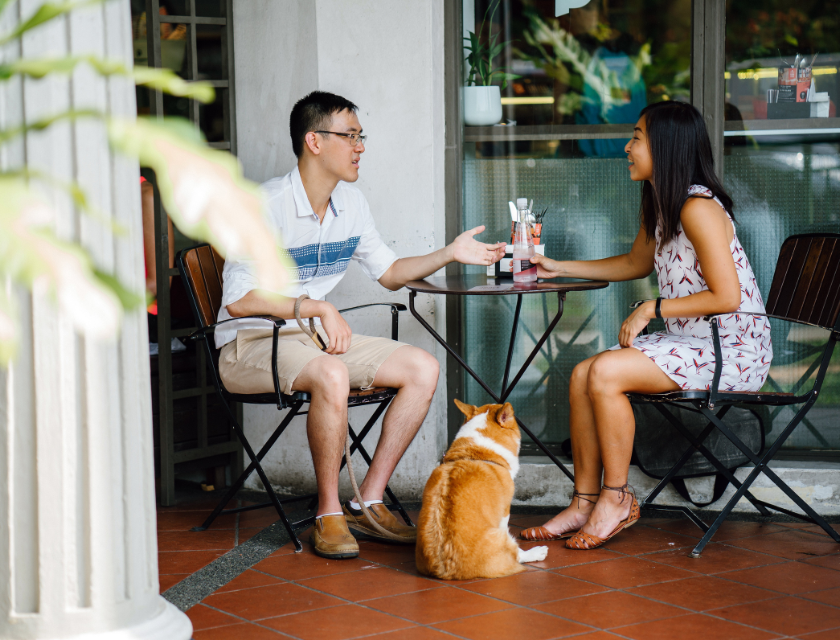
(472, 429)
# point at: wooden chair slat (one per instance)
(196, 283)
(823, 277)
(779, 275)
(831, 309)
(791, 278)
(212, 281)
(803, 300)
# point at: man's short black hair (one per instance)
(313, 113)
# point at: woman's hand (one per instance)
(635, 322)
(546, 267)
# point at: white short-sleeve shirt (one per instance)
(322, 251)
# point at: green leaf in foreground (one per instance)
(46, 12)
(167, 81)
(206, 195)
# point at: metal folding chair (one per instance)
(805, 290)
(201, 269)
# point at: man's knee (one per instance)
(330, 378)
(423, 369)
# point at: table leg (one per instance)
(506, 392)
(512, 340)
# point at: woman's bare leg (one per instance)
(611, 376)
(585, 452)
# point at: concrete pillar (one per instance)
(78, 548)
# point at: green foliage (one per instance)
(480, 54)
(203, 190)
(46, 12)
(157, 79)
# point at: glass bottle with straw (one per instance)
(523, 246)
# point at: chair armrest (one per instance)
(211, 328)
(396, 307)
(274, 321)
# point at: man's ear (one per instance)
(311, 141)
(505, 414)
(467, 409)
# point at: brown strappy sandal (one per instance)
(541, 534)
(587, 541)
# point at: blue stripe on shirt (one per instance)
(335, 257)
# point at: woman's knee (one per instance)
(579, 380)
(601, 375)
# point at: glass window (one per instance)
(582, 79)
(775, 51)
(782, 168)
(598, 64)
(210, 46)
(211, 8)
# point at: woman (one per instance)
(687, 234)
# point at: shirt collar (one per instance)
(302, 204)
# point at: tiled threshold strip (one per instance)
(194, 588)
(204, 582)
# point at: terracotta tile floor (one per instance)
(756, 581)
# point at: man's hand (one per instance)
(467, 250)
(635, 322)
(337, 330)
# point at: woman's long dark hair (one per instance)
(682, 156)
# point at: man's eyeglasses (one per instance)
(353, 138)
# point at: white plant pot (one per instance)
(482, 106)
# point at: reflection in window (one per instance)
(784, 173)
(598, 64)
(764, 40)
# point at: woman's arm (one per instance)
(638, 263)
(709, 230)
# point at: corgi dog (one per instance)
(462, 531)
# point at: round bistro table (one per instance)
(481, 285)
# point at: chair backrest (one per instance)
(806, 285)
(201, 268)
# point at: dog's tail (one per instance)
(435, 553)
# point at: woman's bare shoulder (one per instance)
(701, 215)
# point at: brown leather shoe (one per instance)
(358, 522)
(332, 539)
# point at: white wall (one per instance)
(386, 57)
(276, 63)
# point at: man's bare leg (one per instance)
(415, 373)
(328, 382)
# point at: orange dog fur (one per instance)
(463, 531)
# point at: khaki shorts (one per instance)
(245, 363)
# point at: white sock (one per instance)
(368, 503)
(337, 513)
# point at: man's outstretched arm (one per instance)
(464, 249)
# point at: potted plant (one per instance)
(482, 99)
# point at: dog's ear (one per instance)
(505, 414)
(466, 409)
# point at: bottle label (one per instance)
(523, 265)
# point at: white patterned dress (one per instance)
(685, 351)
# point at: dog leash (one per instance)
(316, 338)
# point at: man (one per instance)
(325, 222)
